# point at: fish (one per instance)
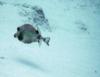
(27, 34)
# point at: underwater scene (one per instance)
(49, 38)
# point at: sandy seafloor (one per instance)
(74, 49)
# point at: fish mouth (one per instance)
(19, 35)
(15, 35)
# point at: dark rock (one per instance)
(35, 15)
(2, 57)
(1, 3)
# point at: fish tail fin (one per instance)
(46, 40)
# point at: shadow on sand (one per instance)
(30, 64)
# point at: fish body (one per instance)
(28, 34)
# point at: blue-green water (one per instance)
(73, 27)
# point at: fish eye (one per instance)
(18, 29)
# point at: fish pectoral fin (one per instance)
(20, 37)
